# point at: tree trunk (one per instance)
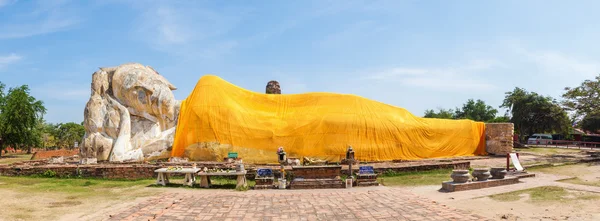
(29, 150)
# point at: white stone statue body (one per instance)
(131, 115)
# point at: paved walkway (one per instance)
(372, 203)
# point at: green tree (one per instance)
(20, 118)
(534, 113)
(441, 113)
(48, 138)
(591, 122)
(66, 134)
(584, 99)
(2, 124)
(476, 110)
(502, 119)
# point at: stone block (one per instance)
(450, 186)
(56, 160)
(88, 161)
(317, 184)
(499, 138)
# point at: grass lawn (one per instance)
(545, 194)
(13, 158)
(549, 151)
(432, 177)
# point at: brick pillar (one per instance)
(499, 138)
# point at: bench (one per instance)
(163, 175)
(205, 178)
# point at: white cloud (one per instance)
(9, 59)
(448, 78)
(187, 29)
(46, 17)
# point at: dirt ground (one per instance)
(578, 201)
(68, 199)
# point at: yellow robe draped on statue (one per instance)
(219, 117)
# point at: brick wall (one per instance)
(145, 171)
(53, 153)
(499, 138)
(130, 172)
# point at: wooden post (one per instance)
(507, 162)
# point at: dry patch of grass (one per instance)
(582, 181)
(423, 178)
(545, 194)
(51, 198)
(549, 151)
(566, 170)
(13, 158)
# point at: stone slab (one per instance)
(317, 184)
(450, 186)
(264, 187)
(183, 170)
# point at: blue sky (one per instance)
(413, 54)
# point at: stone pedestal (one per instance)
(481, 174)
(460, 176)
(498, 172)
(316, 177)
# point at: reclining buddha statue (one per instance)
(133, 116)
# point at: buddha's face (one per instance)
(146, 93)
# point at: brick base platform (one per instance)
(264, 183)
(450, 186)
(366, 180)
(146, 170)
